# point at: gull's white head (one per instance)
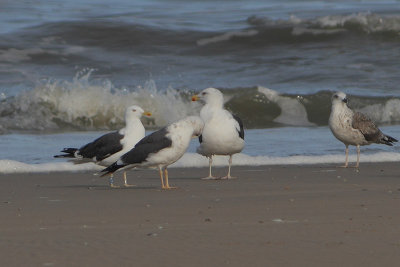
(339, 98)
(135, 112)
(210, 96)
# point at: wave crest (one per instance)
(82, 104)
(359, 22)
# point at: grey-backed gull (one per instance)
(223, 132)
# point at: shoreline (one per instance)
(274, 215)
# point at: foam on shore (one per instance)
(12, 166)
(192, 160)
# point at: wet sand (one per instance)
(269, 216)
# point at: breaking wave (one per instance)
(82, 104)
(70, 39)
(264, 30)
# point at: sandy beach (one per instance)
(268, 216)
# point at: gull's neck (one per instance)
(133, 125)
(208, 110)
(341, 108)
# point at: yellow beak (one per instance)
(195, 98)
(147, 113)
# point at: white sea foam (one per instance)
(75, 101)
(12, 166)
(190, 160)
(55, 104)
(383, 113)
(226, 37)
(333, 24)
(86, 104)
(370, 23)
(195, 160)
(13, 55)
(292, 111)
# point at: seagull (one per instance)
(223, 132)
(108, 148)
(160, 149)
(354, 128)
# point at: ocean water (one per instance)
(68, 70)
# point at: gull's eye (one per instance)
(134, 110)
(204, 93)
(335, 96)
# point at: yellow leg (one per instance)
(126, 181)
(166, 180)
(161, 176)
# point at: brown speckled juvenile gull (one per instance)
(354, 128)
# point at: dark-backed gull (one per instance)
(160, 149)
(108, 148)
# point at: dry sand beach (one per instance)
(269, 216)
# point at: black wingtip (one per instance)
(388, 140)
(69, 153)
(105, 174)
(111, 169)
